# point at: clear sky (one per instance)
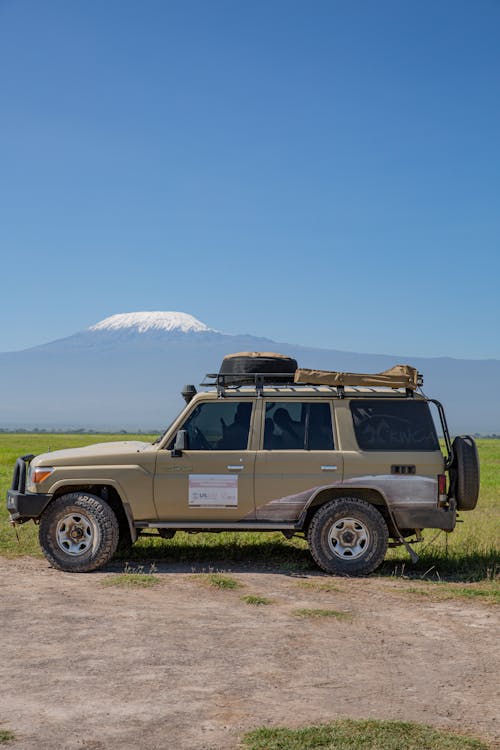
(323, 173)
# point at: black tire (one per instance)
(348, 536)
(464, 473)
(125, 543)
(248, 363)
(78, 532)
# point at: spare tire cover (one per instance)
(247, 363)
(464, 472)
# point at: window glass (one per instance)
(320, 435)
(382, 425)
(298, 426)
(222, 425)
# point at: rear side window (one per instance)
(381, 425)
(298, 426)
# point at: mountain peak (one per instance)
(152, 321)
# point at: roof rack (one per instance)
(256, 379)
(282, 382)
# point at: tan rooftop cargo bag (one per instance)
(399, 376)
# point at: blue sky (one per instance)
(322, 173)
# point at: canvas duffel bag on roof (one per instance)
(399, 376)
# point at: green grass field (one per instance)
(469, 554)
(350, 734)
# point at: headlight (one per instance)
(38, 474)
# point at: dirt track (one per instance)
(186, 666)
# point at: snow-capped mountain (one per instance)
(151, 321)
(127, 371)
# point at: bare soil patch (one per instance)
(190, 666)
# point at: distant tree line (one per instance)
(75, 431)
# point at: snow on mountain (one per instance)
(152, 321)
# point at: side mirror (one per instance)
(181, 443)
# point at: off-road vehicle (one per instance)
(351, 462)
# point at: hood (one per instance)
(83, 455)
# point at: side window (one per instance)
(219, 426)
(320, 428)
(394, 425)
(298, 426)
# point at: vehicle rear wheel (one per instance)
(78, 532)
(348, 536)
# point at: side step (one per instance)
(220, 526)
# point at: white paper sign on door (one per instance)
(213, 490)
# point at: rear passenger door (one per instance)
(297, 455)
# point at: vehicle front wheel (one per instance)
(348, 536)
(78, 532)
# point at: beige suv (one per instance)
(348, 461)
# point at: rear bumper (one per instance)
(426, 518)
(23, 506)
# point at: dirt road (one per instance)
(187, 666)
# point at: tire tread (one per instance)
(465, 473)
(102, 514)
(378, 528)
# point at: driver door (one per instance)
(213, 478)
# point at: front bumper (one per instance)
(23, 506)
(426, 518)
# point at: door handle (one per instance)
(236, 468)
(328, 468)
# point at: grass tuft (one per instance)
(6, 736)
(133, 577)
(487, 591)
(319, 585)
(256, 600)
(349, 734)
(218, 580)
(317, 613)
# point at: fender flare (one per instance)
(63, 484)
(340, 490)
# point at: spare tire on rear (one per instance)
(464, 472)
(244, 364)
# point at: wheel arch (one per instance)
(111, 495)
(325, 494)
